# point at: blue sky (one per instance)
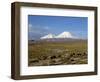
(41, 25)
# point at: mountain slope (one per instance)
(60, 36)
(48, 36)
(65, 35)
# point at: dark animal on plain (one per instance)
(72, 59)
(72, 54)
(79, 54)
(84, 53)
(53, 57)
(59, 55)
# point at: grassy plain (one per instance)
(57, 53)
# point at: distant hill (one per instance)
(58, 40)
(62, 40)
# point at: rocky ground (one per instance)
(57, 53)
(60, 59)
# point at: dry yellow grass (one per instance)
(41, 53)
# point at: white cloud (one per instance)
(36, 29)
(30, 25)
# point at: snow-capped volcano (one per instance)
(48, 36)
(65, 35)
(62, 35)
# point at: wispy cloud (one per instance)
(30, 25)
(36, 31)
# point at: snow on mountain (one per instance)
(65, 35)
(62, 35)
(48, 36)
